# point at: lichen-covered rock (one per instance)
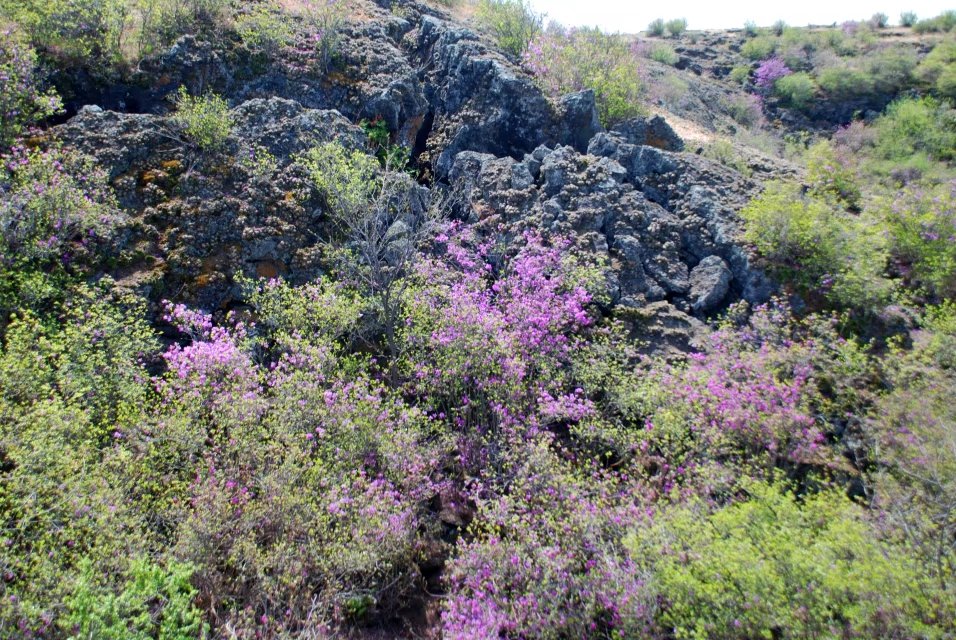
(709, 284)
(651, 248)
(200, 218)
(664, 223)
(481, 102)
(649, 132)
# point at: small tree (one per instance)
(908, 18)
(205, 120)
(382, 216)
(676, 27)
(656, 27)
(879, 21)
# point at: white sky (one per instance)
(633, 16)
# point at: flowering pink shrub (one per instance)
(22, 102)
(763, 396)
(54, 205)
(212, 374)
(497, 348)
(769, 71)
(548, 560)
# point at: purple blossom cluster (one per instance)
(497, 345)
(56, 206)
(23, 102)
(769, 71)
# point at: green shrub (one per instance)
(778, 28)
(513, 23)
(829, 175)
(265, 27)
(775, 565)
(378, 216)
(656, 27)
(664, 54)
(740, 74)
(348, 180)
(818, 247)
(323, 22)
(908, 19)
(391, 156)
(723, 152)
(891, 69)
(58, 218)
(750, 29)
(746, 109)
(563, 61)
(75, 29)
(921, 222)
(912, 426)
(759, 48)
(944, 22)
(946, 83)
(843, 83)
(938, 68)
(676, 27)
(797, 89)
(69, 390)
(205, 120)
(913, 126)
(155, 602)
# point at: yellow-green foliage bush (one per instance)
(571, 60)
(74, 28)
(944, 22)
(842, 83)
(777, 565)
(513, 23)
(913, 126)
(797, 89)
(921, 224)
(914, 428)
(938, 69)
(810, 241)
(759, 48)
(205, 120)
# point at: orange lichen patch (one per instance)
(270, 269)
(414, 125)
(213, 263)
(289, 197)
(172, 166)
(36, 141)
(152, 175)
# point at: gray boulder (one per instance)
(709, 284)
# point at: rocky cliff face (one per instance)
(662, 220)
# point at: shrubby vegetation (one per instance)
(23, 102)
(568, 60)
(456, 408)
(204, 120)
(57, 218)
(105, 35)
(773, 565)
(513, 23)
